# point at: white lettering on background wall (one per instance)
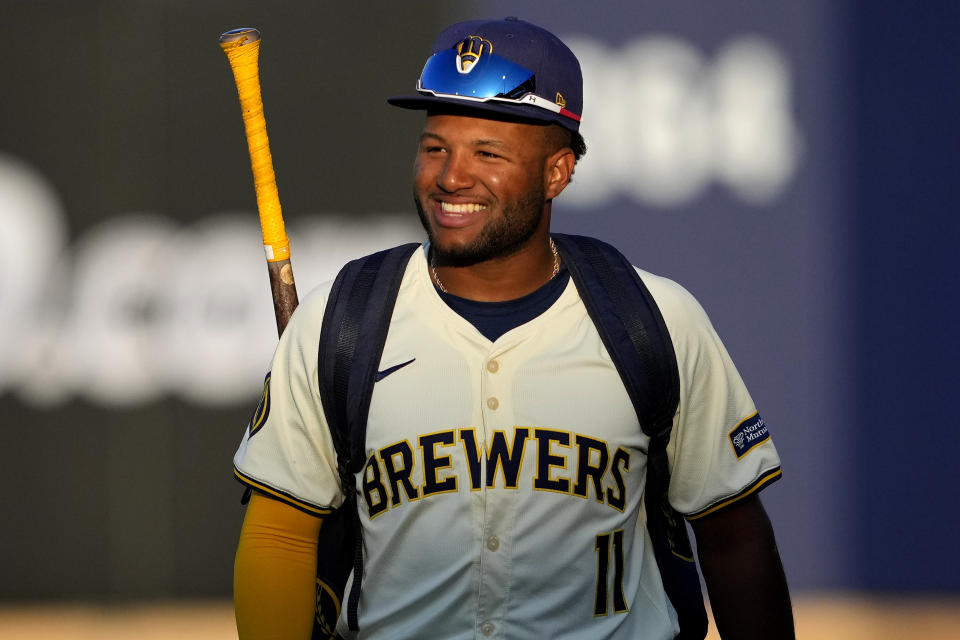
(140, 307)
(662, 122)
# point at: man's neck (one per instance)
(503, 278)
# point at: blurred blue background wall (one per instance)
(791, 164)
(903, 177)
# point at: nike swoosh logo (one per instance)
(383, 374)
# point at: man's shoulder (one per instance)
(679, 308)
(314, 302)
(664, 289)
(316, 298)
(676, 304)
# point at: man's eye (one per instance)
(488, 154)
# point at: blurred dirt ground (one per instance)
(818, 617)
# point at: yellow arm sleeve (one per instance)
(274, 574)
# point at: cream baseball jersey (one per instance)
(502, 493)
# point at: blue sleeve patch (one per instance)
(748, 434)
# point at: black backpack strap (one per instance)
(353, 333)
(636, 337)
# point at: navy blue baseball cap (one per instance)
(509, 66)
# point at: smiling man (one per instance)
(504, 486)
(482, 188)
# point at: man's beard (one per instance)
(499, 238)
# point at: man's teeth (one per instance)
(472, 207)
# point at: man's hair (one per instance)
(562, 137)
(577, 144)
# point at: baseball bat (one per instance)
(242, 47)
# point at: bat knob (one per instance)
(240, 37)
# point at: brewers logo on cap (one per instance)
(470, 50)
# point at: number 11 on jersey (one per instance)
(602, 546)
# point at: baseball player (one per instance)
(503, 489)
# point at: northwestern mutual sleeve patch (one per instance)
(748, 434)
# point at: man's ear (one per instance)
(559, 171)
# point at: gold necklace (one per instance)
(553, 274)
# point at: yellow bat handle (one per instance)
(242, 47)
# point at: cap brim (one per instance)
(520, 112)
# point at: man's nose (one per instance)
(455, 174)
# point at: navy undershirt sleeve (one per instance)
(493, 319)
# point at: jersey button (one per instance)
(493, 403)
(487, 628)
(493, 543)
(493, 366)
